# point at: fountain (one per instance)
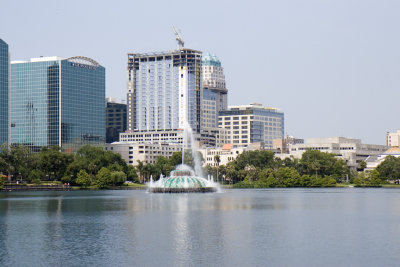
(184, 179)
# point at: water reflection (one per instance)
(236, 228)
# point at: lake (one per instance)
(266, 227)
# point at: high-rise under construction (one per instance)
(164, 90)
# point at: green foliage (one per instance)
(132, 174)
(257, 158)
(315, 162)
(176, 158)
(244, 184)
(118, 177)
(53, 163)
(368, 179)
(389, 169)
(103, 178)
(15, 161)
(1, 182)
(84, 179)
(35, 175)
(288, 177)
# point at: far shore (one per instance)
(136, 186)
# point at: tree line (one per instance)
(260, 169)
(90, 166)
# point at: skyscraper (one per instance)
(115, 120)
(57, 101)
(164, 90)
(214, 80)
(4, 91)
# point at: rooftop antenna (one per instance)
(178, 38)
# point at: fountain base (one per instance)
(183, 190)
(182, 180)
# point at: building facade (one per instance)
(282, 145)
(349, 149)
(209, 109)
(214, 80)
(226, 153)
(252, 124)
(57, 102)
(393, 139)
(4, 92)
(164, 90)
(132, 152)
(115, 120)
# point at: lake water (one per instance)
(271, 227)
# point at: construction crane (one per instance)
(178, 38)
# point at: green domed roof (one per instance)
(211, 60)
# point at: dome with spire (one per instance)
(211, 60)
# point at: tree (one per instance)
(217, 160)
(315, 162)
(257, 158)
(140, 169)
(92, 159)
(103, 178)
(84, 179)
(288, 177)
(35, 176)
(363, 165)
(176, 159)
(53, 163)
(389, 169)
(132, 174)
(162, 166)
(118, 177)
(369, 179)
(15, 161)
(1, 181)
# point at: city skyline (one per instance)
(332, 67)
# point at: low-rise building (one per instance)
(282, 145)
(131, 152)
(351, 150)
(375, 160)
(393, 139)
(252, 124)
(226, 153)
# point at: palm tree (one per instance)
(141, 170)
(217, 160)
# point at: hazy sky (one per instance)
(332, 66)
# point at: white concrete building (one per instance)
(374, 161)
(227, 153)
(393, 139)
(351, 150)
(131, 152)
(172, 136)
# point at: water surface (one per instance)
(271, 227)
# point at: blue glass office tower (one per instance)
(4, 91)
(57, 102)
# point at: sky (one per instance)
(332, 66)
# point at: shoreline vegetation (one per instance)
(93, 168)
